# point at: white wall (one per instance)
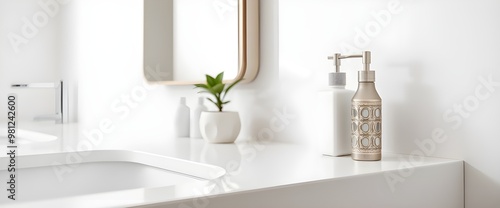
(30, 52)
(37, 46)
(432, 59)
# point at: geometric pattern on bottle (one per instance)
(366, 127)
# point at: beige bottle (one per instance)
(366, 116)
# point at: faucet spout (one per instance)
(60, 109)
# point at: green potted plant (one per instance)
(218, 126)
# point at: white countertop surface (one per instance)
(249, 165)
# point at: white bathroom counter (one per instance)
(281, 175)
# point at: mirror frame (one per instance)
(248, 46)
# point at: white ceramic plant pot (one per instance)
(220, 127)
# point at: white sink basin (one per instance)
(50, 176)
(26, 137)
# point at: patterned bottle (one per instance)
(366, 116)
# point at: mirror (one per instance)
(186, 39)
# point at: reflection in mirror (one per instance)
(186, 39)
(205, 39)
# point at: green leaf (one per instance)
(204, 86)
(211, 90)
(210, 81)
(213, 102)
(230, 86)
(218, 88)
(219, 77)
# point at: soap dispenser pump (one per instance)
(366, 113)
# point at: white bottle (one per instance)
(334, 116)
(195, 118)
(182, 119)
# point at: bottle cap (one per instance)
(366, 76)
(336, 79)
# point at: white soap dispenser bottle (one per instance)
(181, 123)
(195, 118)
(334, 116)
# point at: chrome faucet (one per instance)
(60, 115)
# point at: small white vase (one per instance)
(220, 127)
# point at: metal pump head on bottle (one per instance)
(366, 57)
(336, 78)
(363, 76)
(366, 75)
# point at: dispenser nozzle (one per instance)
(363, 76)
(336, 60)
(367, 59)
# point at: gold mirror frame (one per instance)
(248, 46)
